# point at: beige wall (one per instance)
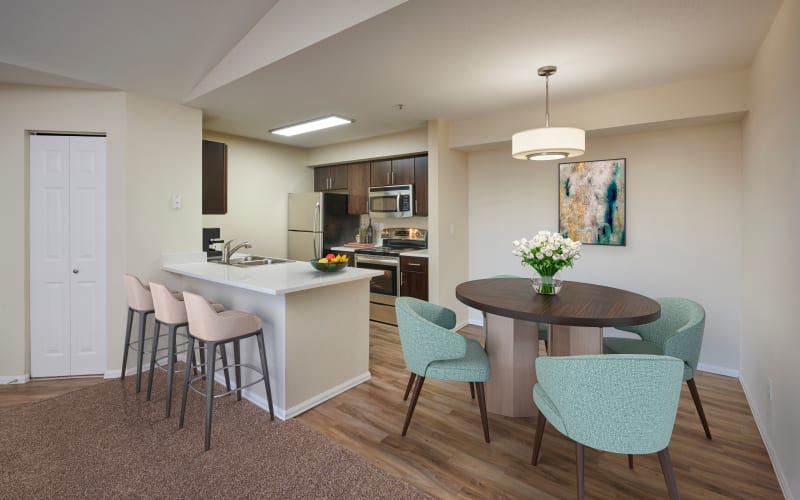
(449, 224)
(684, 229)
(38, 109)
(260, 176)
(149, 143)
(410, 141)
(771, 217)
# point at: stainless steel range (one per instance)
(385, 289)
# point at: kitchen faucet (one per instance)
(227, 251)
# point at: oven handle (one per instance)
(377, 260)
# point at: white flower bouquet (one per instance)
(547, 253)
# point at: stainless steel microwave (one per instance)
(391, 201)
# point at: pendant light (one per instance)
(548, 143)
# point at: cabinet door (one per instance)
(380, 173)
(414, 277)
(421, 185)
(357, 188)
(338, 176)
(321, 178)
(215, 177)
(403, 171)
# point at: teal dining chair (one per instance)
(432, 350)
(678, 333)
(624, 403)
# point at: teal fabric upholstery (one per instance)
(430, 349)
(678, 333)
(616, 403)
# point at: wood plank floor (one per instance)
(444, 453)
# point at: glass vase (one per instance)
(546, 285)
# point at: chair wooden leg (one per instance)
(409, 386)
(414, 397)
(699, 406)
(669, 476)
(472, 389)
(630, 461)
(579, 468)
(479, 388)
(537, 441)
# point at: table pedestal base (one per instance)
(512, 347)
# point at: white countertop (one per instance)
(274, 279)
(413, 253)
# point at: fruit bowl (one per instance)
(327, 267)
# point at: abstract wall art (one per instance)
(592, 201)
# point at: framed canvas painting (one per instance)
(591, 198)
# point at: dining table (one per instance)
(575, 318)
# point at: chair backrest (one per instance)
(679, 330)
(139, 297)
(621, 403)
(206, 324)
(425, 334)
(168, 308)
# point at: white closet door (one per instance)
(67, 255)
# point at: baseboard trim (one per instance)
(304, 406)
(782, 480)
(14, 379)
(461, 325)
(719, 370)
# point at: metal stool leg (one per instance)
(127, 343)
(202, 350)
(237, 359)
(156, 330)
(223, 352)
(140, 354)
(186, 379)
(264, 368)
(172, 334)
(210, 348)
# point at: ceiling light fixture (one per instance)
(311, 125)
(548, 143)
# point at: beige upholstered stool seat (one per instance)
(140, 302)
(218, 328)
(171, 311)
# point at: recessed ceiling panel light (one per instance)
(311, 125)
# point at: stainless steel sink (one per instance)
(254, 260)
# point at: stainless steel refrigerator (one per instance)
(317, 222)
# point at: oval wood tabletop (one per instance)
(577, 304)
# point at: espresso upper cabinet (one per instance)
(215, 177)
(330, 178)
(392, 172)
(357, 188)
(421, 185)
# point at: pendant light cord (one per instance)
(547, 101)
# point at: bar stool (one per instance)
(171, 312)
(140, 301)
(219, 328)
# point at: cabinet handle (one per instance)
(388, 180)
(392, 176)
(416, 206)
(416, 264)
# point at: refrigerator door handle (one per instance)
(314, 228)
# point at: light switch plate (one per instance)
(177, 203)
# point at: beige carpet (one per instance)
(106, 441)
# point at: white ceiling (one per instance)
(253, 65)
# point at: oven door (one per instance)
(387, 283)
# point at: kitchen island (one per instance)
(316, 325)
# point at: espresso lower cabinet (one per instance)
(414, 277)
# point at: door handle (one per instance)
(75, 271)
